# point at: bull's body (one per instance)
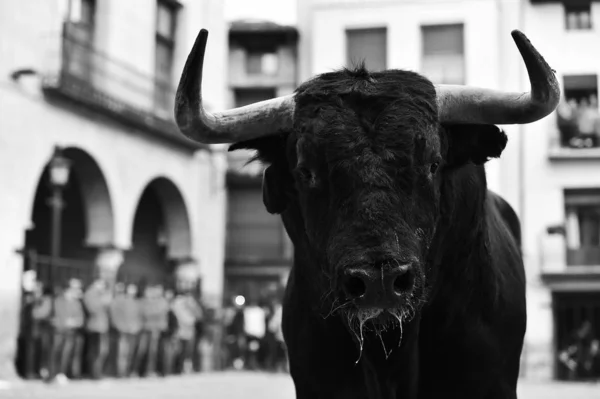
(468, 341)
(408, 280)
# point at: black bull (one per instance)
(407, 280)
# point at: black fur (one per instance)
(369, 174)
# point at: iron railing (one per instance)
(85, 271)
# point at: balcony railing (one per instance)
(111, 87)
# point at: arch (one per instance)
(88, 180)
(161, 234)
(98, 205)
(177, 228)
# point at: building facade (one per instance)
(96, 79)
(548, 172)
(262, 65)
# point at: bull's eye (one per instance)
(434, 167)
(305, 175)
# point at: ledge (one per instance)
(573, 278)
(71, 89)
(574, 154)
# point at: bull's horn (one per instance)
(238, 124)
(464, 104)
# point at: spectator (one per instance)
(186, 311)
(96, 300)
(154, 310)
(233, 321)
(580, 356)
(168, 337)
(277, 357)
(37, 331)
(126, 319)
(254, 330)
(79, 337)
(68, 317)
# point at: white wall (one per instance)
(30, 127)
(568, 52)
(524, 175)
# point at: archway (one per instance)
(86, 224)
(87, 217)
(161, 235)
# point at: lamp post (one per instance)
(59, 168)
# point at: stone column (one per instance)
(187, 273)
(108, 261)
(11, 269)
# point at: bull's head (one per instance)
(358, 162)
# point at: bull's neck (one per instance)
(459, 249)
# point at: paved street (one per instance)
(232, 386)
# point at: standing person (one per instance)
(579, 355)
(68, 318)
(278, 359)
(36, 330)
(254, 330)
(186, 312)
(126, 318)
(79, 339)
(168, 338)
(96, 301)
(199, 328)
(154, 310)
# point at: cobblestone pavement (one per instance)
(232, 385)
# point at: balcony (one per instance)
(92, 79)
(563, 268)
(578, 131)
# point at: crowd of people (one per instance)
(253, 335)
(579, 122)
(107, 330)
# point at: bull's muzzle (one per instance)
(380, 287)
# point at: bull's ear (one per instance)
(269, 149)
(274, 190)
(474, 143)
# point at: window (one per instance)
(79, 39)
(443, 59)
(578, 117)
(165, 48)
(83, 11)
(258, 63)
(249, 96)
(252, 233)
(368, 45)
(578, 15)
(583, 226)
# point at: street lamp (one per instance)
(59, 169)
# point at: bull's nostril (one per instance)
(355, 287)
(403, 283)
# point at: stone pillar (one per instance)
(11, 269)
(108, 261)
(187, 273)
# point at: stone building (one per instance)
(96, 79)
(262, 65)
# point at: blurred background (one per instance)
(155, 256)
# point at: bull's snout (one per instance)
(377, 287)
